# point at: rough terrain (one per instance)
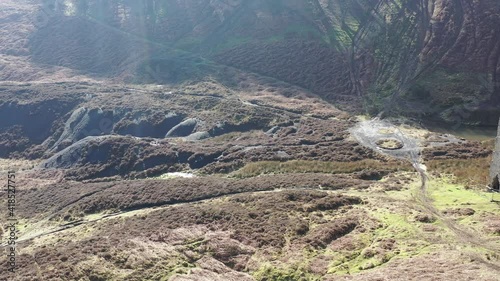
(224, 140)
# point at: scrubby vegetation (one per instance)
(470, 172)
(457, 151)
(77, 199)
(297, 166)
(258, 100)
(267, 273)
(244, 223)
(268, 235)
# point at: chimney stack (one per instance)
(495, 163)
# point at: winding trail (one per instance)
(369, 132)
(463, 235)
(130, 212)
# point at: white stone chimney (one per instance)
(495, 163)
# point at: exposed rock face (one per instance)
(82, 123)
(495, 164)
(198, 136)
(76, 154)
(183, 129)
(148, 126)
(28, 115)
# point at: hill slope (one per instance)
(221, 140)
(433, 59)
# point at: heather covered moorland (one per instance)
(249, 140)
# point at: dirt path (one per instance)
(461, 234)
(126, 213)
(369, 132)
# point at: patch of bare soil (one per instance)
(465, 212)
(493, 225)
(391, 144)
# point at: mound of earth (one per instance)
(391, 144)
(106, 131)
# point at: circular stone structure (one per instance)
(390, 144)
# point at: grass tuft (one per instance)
(469, 172)
(301, 166)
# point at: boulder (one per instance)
(198, 136)
(183, 129)
(151, 126)
(82, 123)
(73, 155)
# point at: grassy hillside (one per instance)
(365, 56)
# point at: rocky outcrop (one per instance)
(82, 123)
(28, 115)
(152, 125)
(76, 154)
(85, 122)
(183, 129)
(198, 136)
